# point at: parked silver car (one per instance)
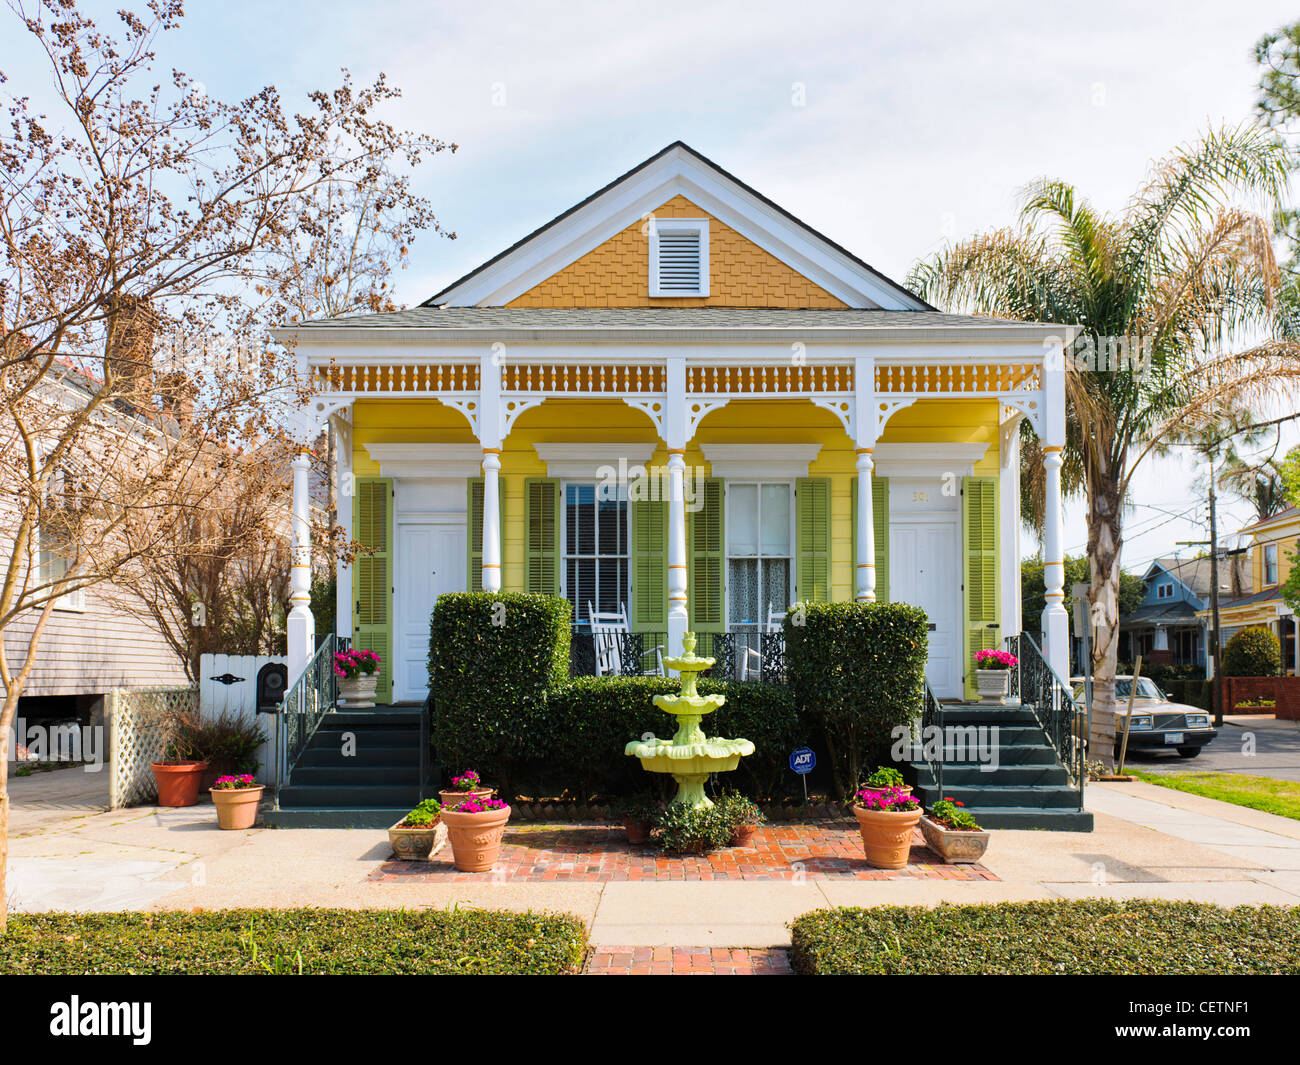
(1157, 723)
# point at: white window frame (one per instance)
(679, 225)
(1165, 590)
(1270, 567)
(50, 555)
(727, 556)
(580, 609)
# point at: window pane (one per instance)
(613, 584)
(776, 586)
(581, 575)
(582, 519)
(742, 591)
(742, 519)
(776, 519)
(611, 517)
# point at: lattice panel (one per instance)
(399, 378)
(137, 719)
(957, 380)
(773, 380)
(582, 378)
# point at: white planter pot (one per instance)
(359, 692)
(993, 684)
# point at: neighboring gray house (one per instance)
(1165, 629)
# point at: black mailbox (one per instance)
(272, 680)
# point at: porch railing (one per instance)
(930, 752)
(305, 704)
(741, 654)
(1039, 689)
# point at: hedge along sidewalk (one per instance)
(226, 942)
(1049, 938)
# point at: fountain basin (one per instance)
(688, 705)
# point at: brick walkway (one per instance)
(541, 854)
(676, 961)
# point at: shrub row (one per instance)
(226, 942)
(1087, 937)
(1193, 692)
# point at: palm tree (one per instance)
(1258, 483)
(1181, 274)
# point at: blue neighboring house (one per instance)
(1165, 629)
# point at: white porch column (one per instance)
(864, 583)
(1009, 524)
(300, 623)
(1056, 623)
(675, 422)
(490, 436)
(345, 486)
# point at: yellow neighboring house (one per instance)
(679, 402)
(1273, 541)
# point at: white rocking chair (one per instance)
(608, 628)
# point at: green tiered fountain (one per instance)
(690, 756)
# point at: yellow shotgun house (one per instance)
(677, 404)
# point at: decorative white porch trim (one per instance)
(513, 406)
(1028, 404)
(652, 407)
(696, 411)
(927, 460)
(779, 462)
(583, 462)
(468, 405)
(460, 461)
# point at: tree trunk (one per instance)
(1105, 539)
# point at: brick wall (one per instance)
(1284, 691)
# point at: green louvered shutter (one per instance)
(706, 570)
(474, 533)
(812, 498)
(542, 524)
(880, 526)
(372, 524)
(649, 565)
(980, 537)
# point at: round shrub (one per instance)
(1253, 652)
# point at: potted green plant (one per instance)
(475, 827)
(682, 829)
(466, 786)
(229, 743)
(358, 678)
(993, 674)
(637, 814)
(742, 816)
(886, 820)
(953, 834)
(236, 799)
(884, 778)
(420, 834)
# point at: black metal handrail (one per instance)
(932, 726)
(426, 740)
(1042, 691)
(313, 695)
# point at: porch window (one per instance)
(595, 548)
(1164, 591)
(1270, 564)
(759, 538)
(54, 567)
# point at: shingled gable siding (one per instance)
(617, 273)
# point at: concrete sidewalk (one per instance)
(1149, 842)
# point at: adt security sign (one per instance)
(803, 760)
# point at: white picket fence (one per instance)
(239, 698)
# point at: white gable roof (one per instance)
(677, 170)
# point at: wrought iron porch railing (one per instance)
(426, 742)
(1039, 689)
(932, 726)
(741, 654)
(305, 704)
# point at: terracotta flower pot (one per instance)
(743, 835)
(359, 692)
(475, 838)
(455, 798)
(954, 846)
(886, 835)
(178, 782)
(237, 807)
(637, 831)
(417, 844)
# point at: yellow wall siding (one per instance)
(403, 421)
(617, 273)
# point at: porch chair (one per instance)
(608, 628)
(751, 664)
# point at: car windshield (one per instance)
(1145, 688)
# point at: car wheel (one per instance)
(1188, 752)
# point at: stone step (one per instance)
(335, 776)
(388, 735)
(981, 796)
(1049, 820)
(1018, 776)
(368, 750)
(1012, 754)
(335, 817)
(350, 796)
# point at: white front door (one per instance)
(925, 570)
(430, 561)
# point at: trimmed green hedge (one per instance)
(1092, 936)
(492, 658)
(858, 670)
(1193, 692)
(225, 942)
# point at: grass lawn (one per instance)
(1281, 797)
(290, 941)
(1048, 938)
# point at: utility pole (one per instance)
(1216, 683)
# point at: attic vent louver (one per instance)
(679, 257)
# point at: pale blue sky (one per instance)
(918, 124)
